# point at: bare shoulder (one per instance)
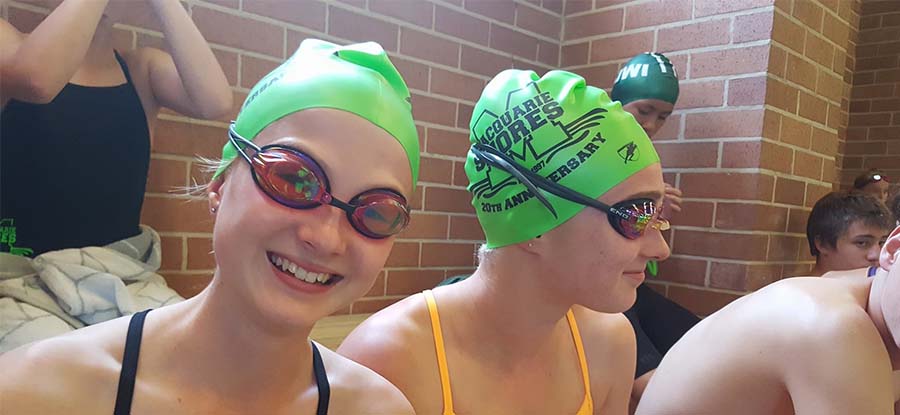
(388, 334)
(357, 389)
(73, 373)
(608, 332)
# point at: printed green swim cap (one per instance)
(357, 78)
(559, 128)
(646, 76)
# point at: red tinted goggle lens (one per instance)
(295, 180)
(631, 218)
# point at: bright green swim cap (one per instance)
(357, 78)
(559, 128)
(646, 76)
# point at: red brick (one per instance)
(742, 186)
(456, 85)
(784, 248)
(865, 148)
(556, 6)
(695, 35)
(830, 87)
(655, 13)
(878, 62)
(887, 76)
(700, 302)
(867, 51)
(253, 69)
(813, 108)
(548, 53)
(435, 170)
(795, 132)
(870, 119)
(749, 247)
(789, 191)
(511, 41)
(751, 217)
(710, 7)
(683, 270)
(819, 50)
(871, 91)
(797, 219)
(404, 254)
(378, 287)
(747, 91)
(465, 228)
(448, 254)
(694, 214)
(809, 13)
(538, 21)
(459, 174)
(373, 305)
(428, 47)
(824, 142)
(788, 33)
(309, 14)
(166, 176)
(701, 94)
(416, 12)
(482, 62)
(168, 214)
(575, 54)
(502, 10)
(880, 6)
(782, 96)
(426, 226)
(892, 19)
(600, 76)
(869, 22)
(199, 254)
(670, 130)
(884, 34)
(530, 66)
(690, 155)
(440, 199)
(461, 25)
(593, 24)
(621, 47)
(815, 192)
(406, 282)
(239, 32)
(463, 115)
(737, 123)
(729, 61)
(750, 27)
(433, 110)
(777, 61)
(180, 138)
(415, 74)
(757, 154)
(577, 6)
(358, 27)
(838, 31)
(448, 143)
(185, 284)
(742, 277)
(171, 250)
(771, 125)
(884, 133)
(801, 72)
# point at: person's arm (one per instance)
(623, 347)
(840, 369)
(189, 80)
(35, 67)
(671, 202)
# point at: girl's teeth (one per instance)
(300, 273)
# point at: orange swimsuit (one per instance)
(587, 406)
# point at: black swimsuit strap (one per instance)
(321, 381)
(129, 363)
(124, 67)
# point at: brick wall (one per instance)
(446, 50)
(873, 137)
(753, 140)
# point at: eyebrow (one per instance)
(646, 195)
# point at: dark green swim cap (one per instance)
(357, 78)
(559, 128)
(646, 76)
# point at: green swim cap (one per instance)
(357, 78)
(559, 128)
(646, 76)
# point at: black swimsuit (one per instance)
(133, 350)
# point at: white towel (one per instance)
(63, 290)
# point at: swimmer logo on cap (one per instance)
(559, 128)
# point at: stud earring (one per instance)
(213, 209)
